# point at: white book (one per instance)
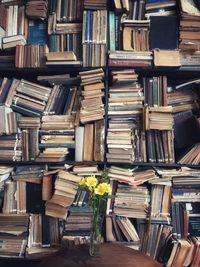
(79, 139)
(15, 20)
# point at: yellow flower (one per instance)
(82, 182)
(91, 181)
(102, 189)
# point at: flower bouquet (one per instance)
(99, 190)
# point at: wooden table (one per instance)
(112, 255)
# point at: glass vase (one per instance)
(95, 235)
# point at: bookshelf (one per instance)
(88, 93)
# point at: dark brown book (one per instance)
(47, 187)
(88, 142)
(98, 140)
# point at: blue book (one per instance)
(87, 26)
(90, 26)
(37, 32)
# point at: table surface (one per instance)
(111, 255)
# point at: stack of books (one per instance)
(66, 186)
(78, 224)
(92, 107)
(160, 8)
(159, 118)
(132, 177)
(62, 58)
(56, 137)
(120, 58)
(132, 201)
(13, 234)
(97, 4)
(125, 106)
(189, 34)
(10, 147)
(30, 98)
(36, 9)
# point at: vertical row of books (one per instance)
(94, 36)
(53, 33)
(156, 211)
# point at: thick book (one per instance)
(163, 32)
(186, 129)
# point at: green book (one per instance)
(112, 31)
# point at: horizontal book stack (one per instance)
(131, 201)
(7, 60)
(10, 147)
(94, 38)
(121, 58)
(36, 9)
(189, 28)
(160, 8)
(189, 34)
(97, 4)
(159, 118)
(132, 177)
(56, 137)
(125, 138)
(29, 173)
(30, 56)
(43, 236)
(13, 234)
(92, 107)
(78, 224)
(30, 98)
(182, 100)
(66, 186)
